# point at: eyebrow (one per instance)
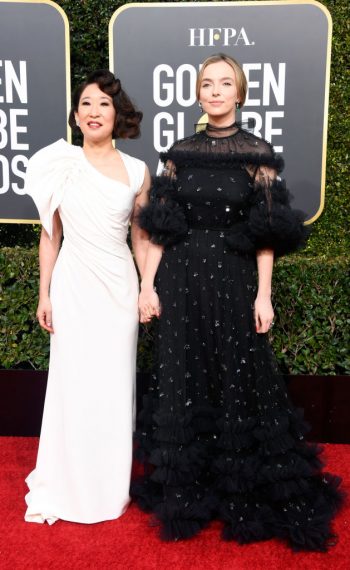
(221, 79)
(101, 97)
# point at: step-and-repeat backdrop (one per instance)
(156, 49)
(34, 94)
(284, 47)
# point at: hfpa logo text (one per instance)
(213, 37)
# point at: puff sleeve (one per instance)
(46, 177)
(163, 218)
(272, 222)
(269, 221)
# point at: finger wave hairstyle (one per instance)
(128, 118)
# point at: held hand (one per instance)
(44, 314)
(263, 313)
(149, 305)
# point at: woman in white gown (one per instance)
(88, 302)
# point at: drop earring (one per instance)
(238, 105)
(77, 122)
(200, 106)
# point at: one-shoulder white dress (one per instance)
(83, 466)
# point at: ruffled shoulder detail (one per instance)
(163, 218)
(47, 173)
(240, 149)
(184, 159)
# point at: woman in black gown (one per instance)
(218, 435)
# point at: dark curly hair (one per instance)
(128, 119)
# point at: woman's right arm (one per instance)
(48, 252)
(149, 305)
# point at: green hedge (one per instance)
(89, 21)
(311, 332)
(309, 337)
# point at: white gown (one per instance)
(85, 452)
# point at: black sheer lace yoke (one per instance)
(238, 147)
(218, 435)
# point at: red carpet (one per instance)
(129, 543)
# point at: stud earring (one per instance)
(77, 122)
(238, 105)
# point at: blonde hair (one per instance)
(241, 80)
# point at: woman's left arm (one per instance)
(263, 311)
(275, 229)
(139, 237)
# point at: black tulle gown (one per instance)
(218, 436)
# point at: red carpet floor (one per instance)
(129, 543)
